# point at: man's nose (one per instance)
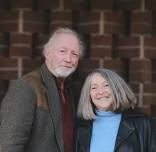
(67, 57)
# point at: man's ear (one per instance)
(46, 53)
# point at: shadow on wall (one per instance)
(3, 89)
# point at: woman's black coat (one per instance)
(136, 134)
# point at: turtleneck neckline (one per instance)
(104, 113)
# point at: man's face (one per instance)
(63, 58)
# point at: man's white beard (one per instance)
(62, 72)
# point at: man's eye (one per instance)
(75, 54)
(62, 51)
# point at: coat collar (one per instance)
(54, 104)
(125, 129)
(85, 133)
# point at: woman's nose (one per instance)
(101, 90)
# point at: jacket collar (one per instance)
(125, 129)
(54, 104)
(85, 135)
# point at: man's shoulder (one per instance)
(31, 79)
(32, 75)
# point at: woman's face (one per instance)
(101, 93)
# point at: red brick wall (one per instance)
(119, 34)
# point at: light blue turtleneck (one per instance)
(104, 133)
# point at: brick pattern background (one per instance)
(119, 34)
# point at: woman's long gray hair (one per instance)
(124, 98)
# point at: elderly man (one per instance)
(37, 111)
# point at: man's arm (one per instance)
(16, 117)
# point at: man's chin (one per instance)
(65, 72)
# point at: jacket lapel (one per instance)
(85, 134)
(54, 104)
(125, 130)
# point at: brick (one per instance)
(4, 38)
(101, 51)
(102, 4)
(8, 15)
(150, 4)
(68, 4)
(22, 4)
(153, 70)
(101, 46)
(149, 99)
(17, 38)
(3, 88)
(89, 64)
(141, 23)
(135, 87)
(149, 88)
(59, 19)
(8, 68)
(20, 51)
(39, 40)
(116, 65)
(8, 21)
(4, 4)
(140, 70)
(4, 51)
(47, 4)
(153, 110)
(4, 44)
(85, 67)
(127, 47)
(127, 4)
(30, 65)
(87, 22)
(146, 109)
(8, 75)
(114, 22)
(34, 21)
(79, 5)
(154, 22)
(80, 76)
(150, 47)
(8, 63)
(37, 52)
(20, 44)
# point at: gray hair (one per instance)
(65, 30)
(123, 96)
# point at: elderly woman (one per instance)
(109, 119)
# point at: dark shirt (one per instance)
(67, 114)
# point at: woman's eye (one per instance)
(105, 85)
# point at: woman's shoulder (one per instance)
(136, 113)
(137, 116)
(84, 123)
